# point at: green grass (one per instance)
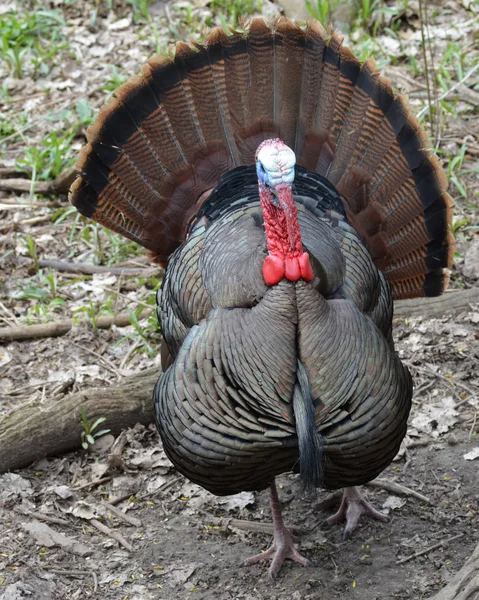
(30, 41)
(233, 10)
(54, 154)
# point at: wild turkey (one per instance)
(276, 313)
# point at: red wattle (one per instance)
(292, 271)
(273, 269)
(305, 266)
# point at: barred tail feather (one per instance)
(162, 142)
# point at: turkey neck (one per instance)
(286, 258)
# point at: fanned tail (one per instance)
(162, 142)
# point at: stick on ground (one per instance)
(54, 427)
(57, 328)
(430, 549)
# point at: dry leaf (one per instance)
(473, 454)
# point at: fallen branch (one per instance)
(54, 427)
(48, 518)
(115, 535)
(122, 516)
(430, 549)
(381, 484)
(450, 302)
(69, 267)
(465, 583)
(60, 185)
(57, 328)
(91, 484)
(16, 225)
(397, 488)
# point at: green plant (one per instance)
(232, 10)
(41, 293)
(140, 10)
(84, 112)
(365, 10)
(459, 223)
(32, 250)
(115, 80)
(48, 161)
(146, 335)
(89, 435)
(91, 314)
(454, 169)
(322, 10)
(30, 38)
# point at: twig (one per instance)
(67, 572)
(14, 225)
(49, 519)
(473, 426)
(13, 204)
(91, 483)
(115, 535)
(118, 499)
(454, 87)
(397, 488)
(114, 458)
(9, 316)
(104, 360)
(430, 549)
(451, 382)
(9, 172)
(95, 581)
(426, 66)
(129, 354)
(123, 516)
(29, 386)
(59, 185)
(160, 490)
(57, 328)
(257, 527)
(69, 267)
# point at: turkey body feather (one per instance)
(225, 406)
(274, 362)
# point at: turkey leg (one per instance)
(353, 505)
(283, 545)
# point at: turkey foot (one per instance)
(353, 505)
(283, 544)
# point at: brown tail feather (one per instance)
(166, 137)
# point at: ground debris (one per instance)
(46, 536)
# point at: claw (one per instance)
(283, 545)
(353, 505)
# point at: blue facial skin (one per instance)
(263, 180)
(262, 175)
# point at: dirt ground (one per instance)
(187, 543)
(171, 539)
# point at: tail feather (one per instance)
(315, 41)
(169, 82)
(261, 61)
(309, 440)
(289, 64)
(163, 141)
(353, 124)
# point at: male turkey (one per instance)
(276, 305)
